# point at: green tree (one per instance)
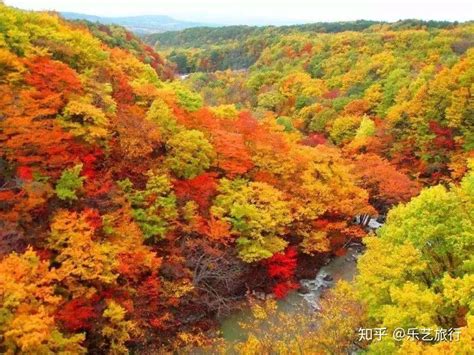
(162, 115)
(70, 183)
(153, 208)
(344, 129)
(189, 100)
(418, 272)
(366, 128)
(190, 153)
(258, 214)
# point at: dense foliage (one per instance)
(135, 208)
(427, 279)
(401, 91)
(237, 47)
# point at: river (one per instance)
(338, 268)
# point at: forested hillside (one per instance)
(136, 208)
(237, 47)
(399, 91)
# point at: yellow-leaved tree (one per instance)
(259, 215)
(418, 272)
(27, 308)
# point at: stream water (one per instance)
(338, 268)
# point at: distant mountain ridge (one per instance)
(206, 36)
(145, 24)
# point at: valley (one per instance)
(234, 190)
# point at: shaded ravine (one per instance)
(338, 268)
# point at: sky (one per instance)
(265, 11)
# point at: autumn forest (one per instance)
(152, 186)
